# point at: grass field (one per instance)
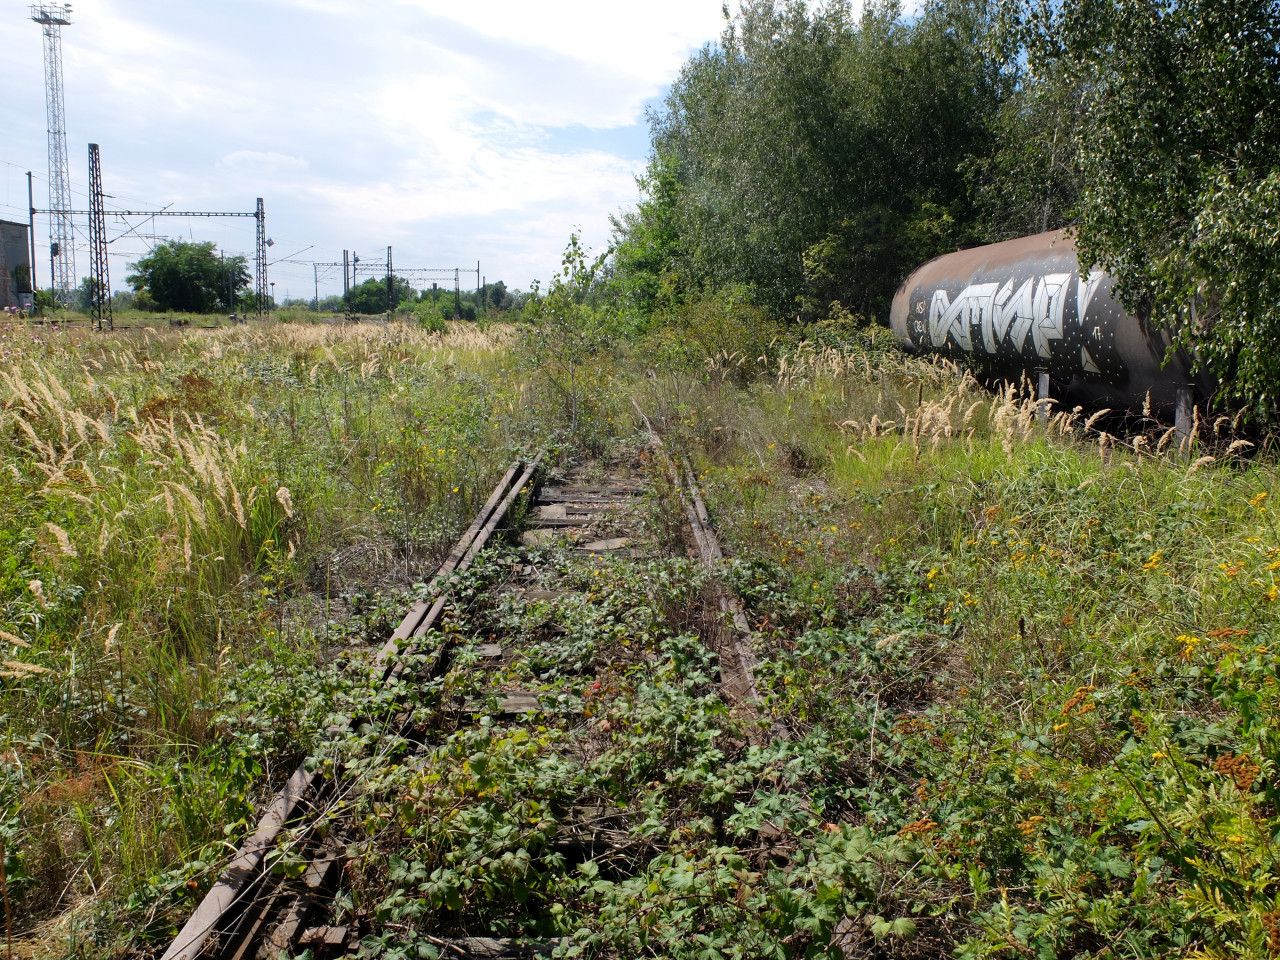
(190, 519)
(1029, 671)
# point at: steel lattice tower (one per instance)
(260, 268)
(53, 17)
(99, 272)
(391, 288)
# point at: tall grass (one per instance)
(182, 510)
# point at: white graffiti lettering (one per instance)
(999, 312)
(1085, 290)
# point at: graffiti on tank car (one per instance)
(1027, 307)
(993, 317)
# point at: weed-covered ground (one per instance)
(1037, 666)
(189, 521)
(1028, 672)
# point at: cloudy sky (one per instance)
(454, 132)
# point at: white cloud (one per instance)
(263, 163)
(452, 131)
(643, 41)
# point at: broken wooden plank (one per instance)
(545, 536)
(566, 493)
(557, 523)
(540, 594)
(285, 934)
(509, 704)
(328, 937)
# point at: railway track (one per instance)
(589, 517)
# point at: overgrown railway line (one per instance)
(589, 516)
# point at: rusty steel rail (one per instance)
(222, 924)
(422, 616)
(733, 640)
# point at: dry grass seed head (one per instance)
(1202, 462)
(65, 545)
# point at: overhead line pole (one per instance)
(99, 270)
(261, 274)
(31, 234)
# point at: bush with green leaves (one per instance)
(1178, 148)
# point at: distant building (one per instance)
(15, 265)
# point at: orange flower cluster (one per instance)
(1076, 700)
(1224, 633)
(1028, 827)
(1239, 768)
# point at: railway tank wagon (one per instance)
(1025, 307)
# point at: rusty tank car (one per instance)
(1025, 308)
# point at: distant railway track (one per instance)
(253, 911)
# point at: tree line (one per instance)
(195, 277)
(811, 158)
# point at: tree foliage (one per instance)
(371, 296)
(1029, 181)
(181, 275)
(568, 330)
(648, 254)
(815, 157)
(1179, 153)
